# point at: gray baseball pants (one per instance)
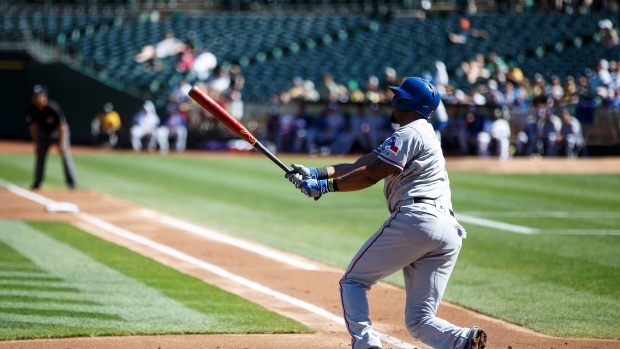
(422, 241)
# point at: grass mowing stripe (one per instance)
(19, 309)
(31, 287)
(46, 300)
(29, 278)
(232, 312)
(123, 305)
(131, 299)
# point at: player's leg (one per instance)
(43, 145)
(137, 133)
(181, 140)
(395, 245)
(425, 283)
(67, 161)
(163, 135)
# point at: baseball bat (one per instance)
(221, 114)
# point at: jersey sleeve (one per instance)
(401, 147)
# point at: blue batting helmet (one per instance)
(416, 94)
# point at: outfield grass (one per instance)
(564, 280)
(58, 281)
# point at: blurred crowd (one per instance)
(508, 112)
(503, 112)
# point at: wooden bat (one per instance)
(221, 114)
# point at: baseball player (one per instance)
(47, 125)
(421, 236)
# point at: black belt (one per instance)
(428, 202)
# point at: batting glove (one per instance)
(300, 172)
(315, 188)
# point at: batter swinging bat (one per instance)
(221, 114)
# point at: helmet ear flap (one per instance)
(402, 100)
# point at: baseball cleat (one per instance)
(477, 339)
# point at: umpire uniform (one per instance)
(48, 126)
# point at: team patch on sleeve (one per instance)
(392, 146)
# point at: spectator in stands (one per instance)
(152, 55)
(332, 124)
(570, 138)
(389, 79)
(310, 92)
(375, 127)
(600, 78)
(496, 67)
(169, 46)
(511, 93)
(174, 128)
(47, 125)
(493, 95)
(540, 87)
(144, 127)
(372, 90)
(287, 132)
(571, 95)
(550, 125)
(465, 32)
(614, 85)
(471, 126)
(475, 69)
(439, 120)
(296, 93)
(186, 60)
(106, 127)
(608, 37)
(203, 65)
(235, 104)
(556, 90)
(329, 89)
(440, 78)
(528, 140)
(220, 80)
(237, 80)
(494, 139)
(356, 95)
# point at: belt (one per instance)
(429, 202)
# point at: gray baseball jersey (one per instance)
(415, 150)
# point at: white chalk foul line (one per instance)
(29, 195)
(495, 224)
(545, 214)
(204, 265)
(246, 245)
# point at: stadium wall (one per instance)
(81, 97)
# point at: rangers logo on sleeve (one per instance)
(393, 145)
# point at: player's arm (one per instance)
(359, 178)
(300, 172)
(63, 132)
(340, 170)
(364, 176)
(33, 132)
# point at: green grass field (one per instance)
(563, 280)
(58, 281)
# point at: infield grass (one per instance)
(563, 280)
(58, 281)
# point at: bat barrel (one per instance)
(221, 114)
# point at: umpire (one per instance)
(48, 126)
